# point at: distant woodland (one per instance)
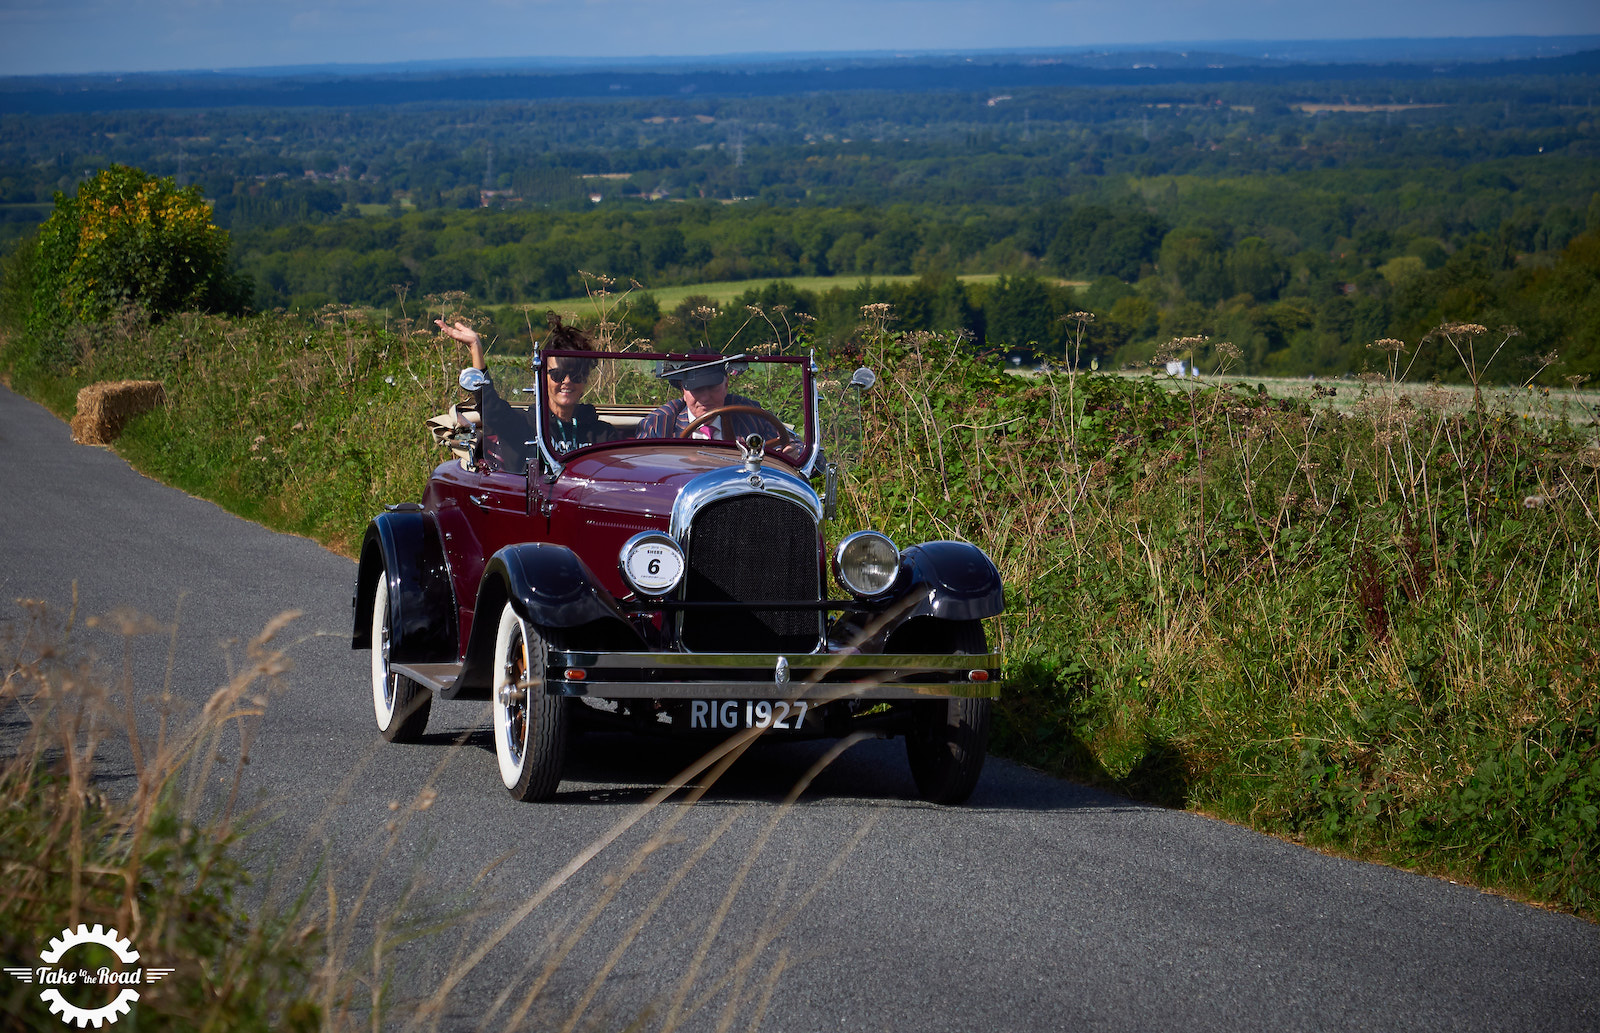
(1299, 215)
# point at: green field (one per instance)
(1581, 407)
(374, 210)
(1577, 406)
(725, 291)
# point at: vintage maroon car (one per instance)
(668, 584)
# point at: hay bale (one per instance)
(104, 408)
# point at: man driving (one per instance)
(705, 390)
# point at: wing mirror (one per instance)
(473, 379)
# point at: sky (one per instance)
(75, 36)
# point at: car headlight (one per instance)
(866, 563)
(651, 564)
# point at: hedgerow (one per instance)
(1371, 628)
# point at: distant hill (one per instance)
(1274, 63)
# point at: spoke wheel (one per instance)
(530, 725)
(949, 738)
(400, 704)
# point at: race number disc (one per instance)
(653, 567)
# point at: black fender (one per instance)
(404, 545)
(953, 581)
(548, 586)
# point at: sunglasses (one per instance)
(561, 376)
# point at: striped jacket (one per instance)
(670, 420)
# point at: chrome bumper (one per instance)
(819, 677)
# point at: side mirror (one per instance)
(473, 379)
(863, 379)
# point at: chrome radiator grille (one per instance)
(745, 549)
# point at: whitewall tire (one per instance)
(530, 724)
(400, 704)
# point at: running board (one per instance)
(435, 677)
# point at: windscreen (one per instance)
(592, 399)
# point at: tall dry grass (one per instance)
(112, 817)
(123, 807)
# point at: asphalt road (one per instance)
(1039, 905)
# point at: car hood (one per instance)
(642, 481)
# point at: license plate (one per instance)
(733, 714)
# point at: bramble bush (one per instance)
(125, 240)
(1371, 629)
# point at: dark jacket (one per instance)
(585, 428)
(508, 429)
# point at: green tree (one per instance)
(131, 238)
(1195, 257)
(1255, 269)
(1018, 314)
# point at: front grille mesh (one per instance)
(749, 548)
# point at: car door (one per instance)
(480, 513)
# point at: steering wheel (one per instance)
(782, 440)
